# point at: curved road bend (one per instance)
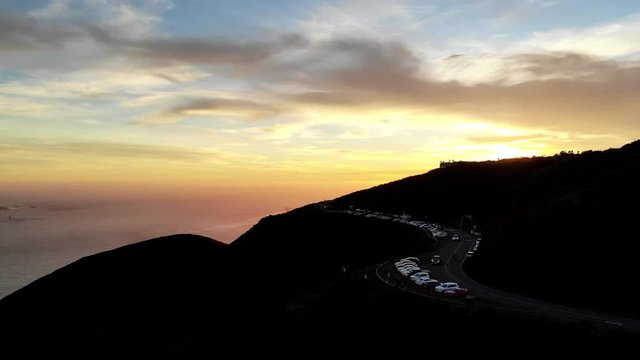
(454, 272)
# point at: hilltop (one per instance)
(560, 228)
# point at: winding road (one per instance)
(452, 270)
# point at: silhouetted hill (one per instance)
(177, 297)
(116, 301)
(560, 228)
(304, 284)
(173, 290)
(308, 243)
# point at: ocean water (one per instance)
(38, 237)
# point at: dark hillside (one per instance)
(560, 228)
(304, 282)
(330, 240)
(205, 314)
(308, 245)
(150, 298)
(138, 294)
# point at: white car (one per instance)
(423, 281)
(408, 270)
(420, 275)
(405, 263)
(447, 286)
(409, 267)
(402, 261)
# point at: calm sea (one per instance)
(37, 238)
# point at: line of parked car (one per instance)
(409, 267)
(435, 229)
(476, 245)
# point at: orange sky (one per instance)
(302, 100)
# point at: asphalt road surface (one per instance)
(454, 253)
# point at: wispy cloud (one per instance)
(611, 40)
(19, 32)
(362, 18)
(218, 107)
(120, 33)
(506, 138)
(103, 150)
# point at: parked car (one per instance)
(446, 286)
(408, 270)
(403, 263)
(422, 281)
(420, 275)
(456, 292)
(431, 283)
(436, 260)
(408, 266)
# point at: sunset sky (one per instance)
(311, 97)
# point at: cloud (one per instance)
(55, 9)
(506, 138)
(326, 98)
(563, 65)
(62, 22)
(66, 37)
(63, 150)
(557, 90)
(218, 107)
(361, 18)
(614, 39)
(513, 68)
(354, 70)
(133, 20)
(19, 32)
(200, 51)
(131, 150)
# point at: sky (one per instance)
(307, 99)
